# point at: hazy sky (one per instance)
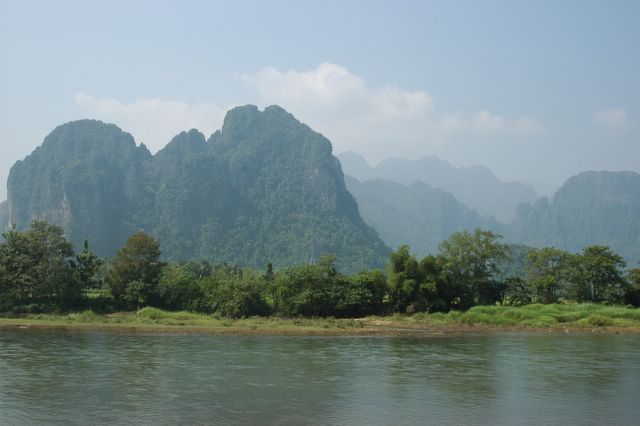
(535, 90)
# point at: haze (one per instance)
(537, 92)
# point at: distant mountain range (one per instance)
(415, 214)
(265, 188)
(590, 208)
(475, 186)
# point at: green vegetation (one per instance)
(135, 270)
(38, 268)
(594, 275)
(415, 214)
(266, 188)
(319, 290)
(156, 320)
(554, 316)
(590, 208)
(40, 273)
(406, 203)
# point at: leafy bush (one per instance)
(179, 289)
(151, 313)
(234, 293)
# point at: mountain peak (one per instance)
(277, 109)
(267, 189)
(248, 126)
(185, 142)
(414, 214)
(475, 186)
(87, 133)
(590, 208)
(356, 166)
(599, 184)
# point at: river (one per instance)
(83, 378)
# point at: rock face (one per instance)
(4, 216)
(87, 176)
(265, 188)
(476, 186)
(590, 208)
(415, 214)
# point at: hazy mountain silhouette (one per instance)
(415, 214)
(590, 208)
(475, 186)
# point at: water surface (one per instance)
(100, 378)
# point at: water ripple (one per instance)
(98, 378)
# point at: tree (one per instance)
(632, 294)
(548, 273)
(470, 262)
(599, 276)
(88, 265)
(179, 288)
(16, 262)
(37, 267)
(402, 284)
(517, 292)
(304, 291)
(199, 269)
(269, 275)
(413, 285)
(233, 293)
(134, 271)
(361, 294)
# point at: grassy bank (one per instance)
(578, 317)
(155, 320)
(584, 316)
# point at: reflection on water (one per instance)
(97, 378)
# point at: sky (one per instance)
(537, 91)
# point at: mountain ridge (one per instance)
(264, 188)
(475, 186)
(592, 207)
(416, 214)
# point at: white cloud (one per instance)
(485, 122)
(380, 121)
(153, 121)
(527, 125)
(615, 118)
(330, 90)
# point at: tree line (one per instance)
(40, 272)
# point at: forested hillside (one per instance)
(590, 208)
(89, 177)
(265, 188)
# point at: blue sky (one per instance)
(537, 91)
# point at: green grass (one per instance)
(158, 320)
(574, 316)
(532, 317)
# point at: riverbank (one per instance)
(581, 318)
